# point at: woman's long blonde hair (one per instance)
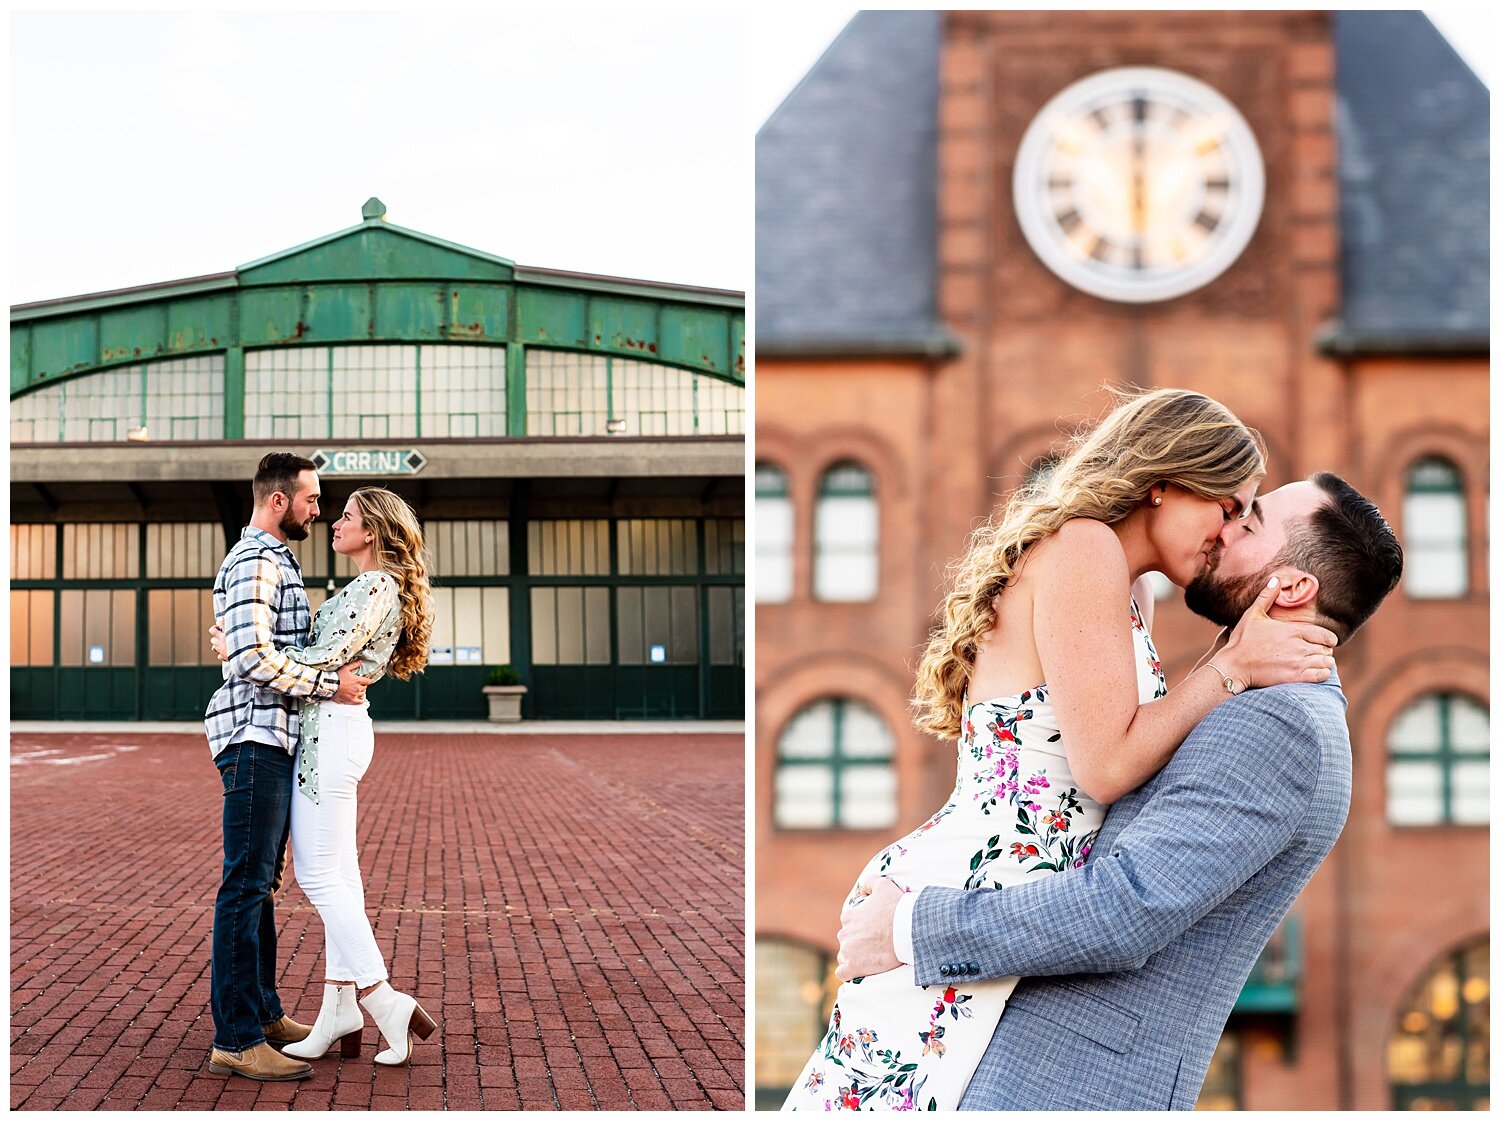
(1160, 436)
(398, 550)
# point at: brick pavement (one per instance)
(571, 909)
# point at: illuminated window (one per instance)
(1438, 763)
(572, 394)
(177, 399)
(846, 535)
(1438, 1054)
(1434, 532)
(794, 993)
(834, 768)
(773, 535)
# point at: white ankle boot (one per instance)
(339, 1021)
(398, 1017)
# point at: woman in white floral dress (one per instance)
(1052, 590)
(382, 619)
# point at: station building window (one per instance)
(846, 535)
(177, 399)
(1435, 531)
(572, 394)
(773, 536)
(1438, 763)
(1438, 1055)
(794, 994)
(570, 626)
(834, 768)
(568, 547)
(375, 392)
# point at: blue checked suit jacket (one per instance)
(1132, 963)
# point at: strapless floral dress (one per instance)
(1015, 814)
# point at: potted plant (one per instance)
(504, 689)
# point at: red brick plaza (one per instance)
(570, 908)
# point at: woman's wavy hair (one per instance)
(1150, 437)
(399, 550)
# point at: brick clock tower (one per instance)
(1231, 202)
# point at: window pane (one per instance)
(809, 734)
(1414, 793)
(463, 391)
(442, 627)
(570, 626)
(1469, 726)
(20, 628)
(804, 797)
(70, 607)
(773, 550)
(630, 610)
(846, 532)
(789, 1017)
(1418, 728)
(596, 624)
(544, 626)
(41, 606)
(1471, 793)
(865, 734)
(869, 797)
(496, 606)
(1435, 538)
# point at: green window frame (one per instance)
(1435, 534)
(1437, 764)
(841, 747)
(1438, 1052)
(846, 535)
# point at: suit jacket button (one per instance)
(973, 967)
(946, 970)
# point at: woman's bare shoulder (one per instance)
(1077, 542)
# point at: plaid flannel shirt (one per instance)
(259, 597)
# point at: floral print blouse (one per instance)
(362, 622)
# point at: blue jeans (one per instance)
(257, 781)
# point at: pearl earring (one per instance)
(1156, 501)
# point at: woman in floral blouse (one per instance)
(382, 620)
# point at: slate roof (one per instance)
(846, 193)
(846, 197)
(1414, 184)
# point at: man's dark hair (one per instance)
(278, 472)
(1350, 548)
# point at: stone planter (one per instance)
(505, 703)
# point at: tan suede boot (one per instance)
(261, 1062)
(285, 1030)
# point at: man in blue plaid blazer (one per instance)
(252, 726)
(1131, 964)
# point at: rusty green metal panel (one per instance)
(477, 312)
(409, 311)
(737, 346)
(20, 357)
(626, 327)
(544, 315)
(234, 393)
(515, 390)
(132, 334)
(271, 315)
(60, 346)
(696, 337)
(338, 311)
(198, 324)
(374, 251)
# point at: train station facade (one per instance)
(574, 446)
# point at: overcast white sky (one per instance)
(149, 146)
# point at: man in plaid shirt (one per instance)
(252, 725)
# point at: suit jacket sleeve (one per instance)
(1227, 803)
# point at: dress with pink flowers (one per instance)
(1014, 814)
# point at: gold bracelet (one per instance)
(1228, 681)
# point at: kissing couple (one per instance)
(1183, 824)
(291, 737)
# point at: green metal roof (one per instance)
(377, 282)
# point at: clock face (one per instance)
(1138, 184)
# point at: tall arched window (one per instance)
(1438, 763)
(1435, 531)
(834, 768)
(1438, 1054)
(846, 535)
(773, 535)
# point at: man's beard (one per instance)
(294, 530)
(1223, 599)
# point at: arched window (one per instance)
(773, 535)
(1438, 763)
(833, 768)
(1438, 1054)
(794, 988)
(846, 535)
(1435, 531)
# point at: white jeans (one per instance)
(323, 850)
